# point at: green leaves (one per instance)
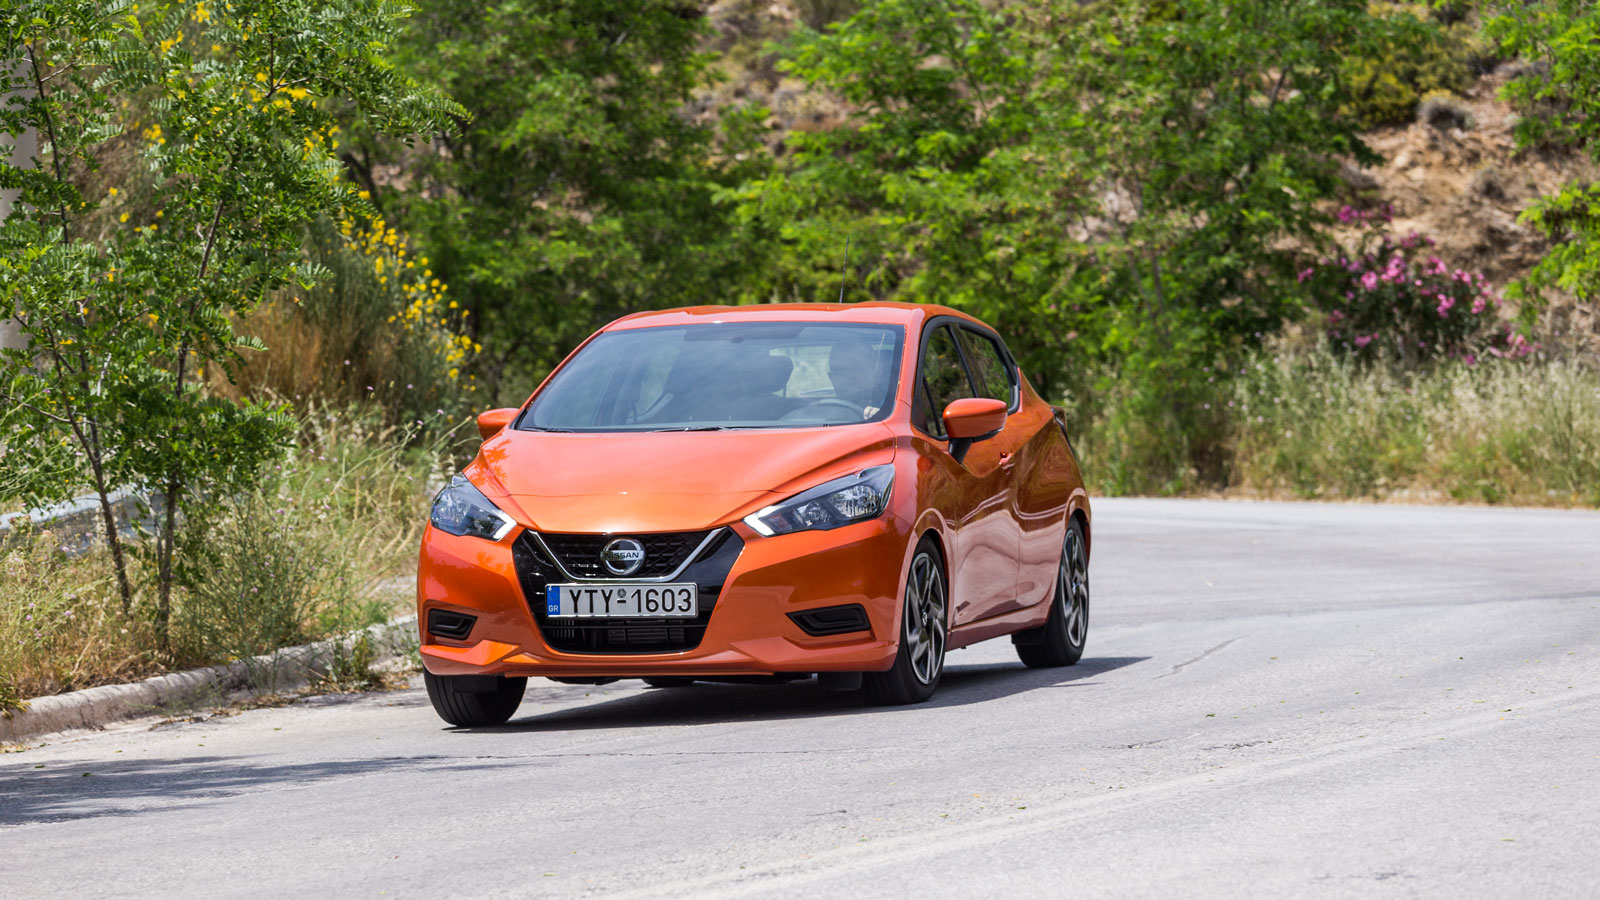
(1558, 96)
(230, 108)
(581, 188)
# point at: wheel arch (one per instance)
(1082, 518)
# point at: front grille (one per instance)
(709, 570)
(579, 554)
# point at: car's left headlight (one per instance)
(840, 502)
(460, 508)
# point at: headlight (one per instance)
(463, 509)
(842, 501)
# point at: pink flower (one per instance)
(1369, 280)
(1364, 339)
(1304, 274)
(1478, 306)
(1445, 303)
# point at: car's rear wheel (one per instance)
(669, 681)
(474, 701)
(923, 630)
(1060, 641)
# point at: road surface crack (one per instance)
(1189, 662)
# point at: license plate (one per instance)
(622, 600)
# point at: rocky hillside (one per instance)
(1456, 174)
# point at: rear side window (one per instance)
(989, 367)
(944, 380)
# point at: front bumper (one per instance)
(748, 632)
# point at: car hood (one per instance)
(664, 481)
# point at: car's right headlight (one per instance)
(840, 502)
(460, 508)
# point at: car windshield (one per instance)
(718, 376)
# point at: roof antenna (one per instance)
(845, 275)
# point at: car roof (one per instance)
(877, 313)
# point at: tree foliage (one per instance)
(1559, 96)
(582, 188)
(225, 107)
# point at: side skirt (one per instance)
(995, 626)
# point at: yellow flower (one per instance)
(201, 14)
(453, 372)
(261, 77)
(453, 304)
(113, 192)
(123, 217)
(154, 318)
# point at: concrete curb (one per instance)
(287, 668)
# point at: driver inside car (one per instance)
(853, 371)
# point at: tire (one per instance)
(465, 708)
(1060, 640)
(668, 681)
(925, 622)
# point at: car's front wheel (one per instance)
(1059, 642)
(474, 701)
(924, 626)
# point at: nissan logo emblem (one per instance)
(623, 556)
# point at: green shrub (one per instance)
(379, 327)
(325, 545)
(1387, 87)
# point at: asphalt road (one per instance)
(1277, 700)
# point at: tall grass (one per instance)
(326, 543)
(1311, 424)
(1525, 433)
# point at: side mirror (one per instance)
(971, 420)
(490, 423)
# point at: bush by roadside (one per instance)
(324, 545)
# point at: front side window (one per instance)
(944, 380)
(723, 375)
(989, 367)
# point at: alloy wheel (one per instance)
(925, 618)
(1073, 588)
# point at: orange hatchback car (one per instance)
(721, 493)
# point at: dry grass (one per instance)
(1525, 433)
(326, 544)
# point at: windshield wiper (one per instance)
(542, 428)
(706, 428)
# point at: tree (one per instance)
(582, 188)
(1559, 97)
(223, 106)
(951, 181)
(1125, 186)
